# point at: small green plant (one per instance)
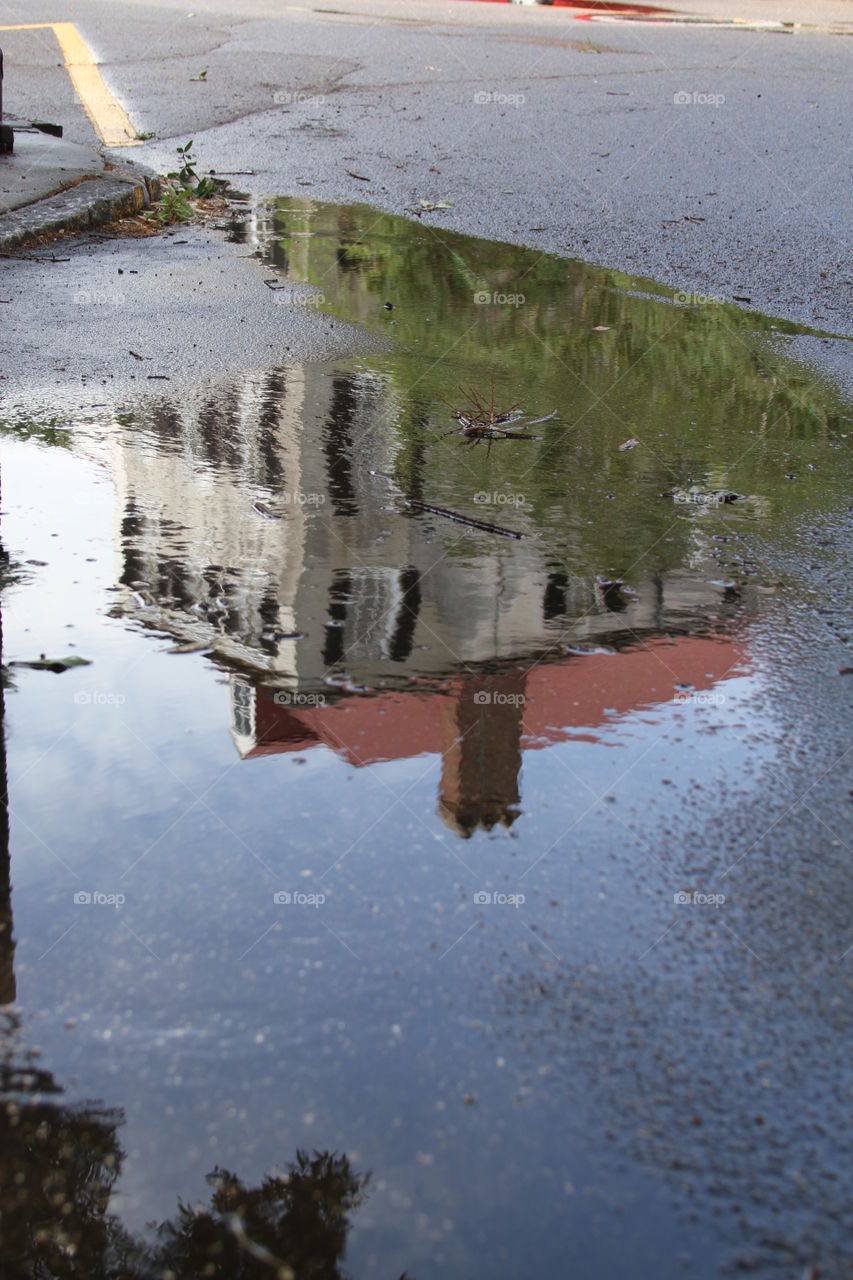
(187, 175)
(174, 206)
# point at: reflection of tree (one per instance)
(59, 1165)
(695, 383)
(294, 1224)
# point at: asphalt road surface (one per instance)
(712, 156)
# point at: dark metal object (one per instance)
(7, 138)
(55, 130)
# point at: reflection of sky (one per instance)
(232, 1030)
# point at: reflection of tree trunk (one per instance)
(7, 946)
(481, 756)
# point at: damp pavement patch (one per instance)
(48, 185)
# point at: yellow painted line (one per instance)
(109, 120)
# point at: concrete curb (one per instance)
(88, 204)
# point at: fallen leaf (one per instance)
(202, 75)
(428, 206)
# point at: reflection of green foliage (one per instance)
(58, 1167)
(708, 389)
(60, 1164)
(293, 1225)
(50, 431)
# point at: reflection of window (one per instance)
(371, 617)
(242, 709)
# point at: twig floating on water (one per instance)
(419, 505)
(455, 515)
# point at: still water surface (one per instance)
(344, 933)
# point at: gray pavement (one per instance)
(711, 157)
(50, 184)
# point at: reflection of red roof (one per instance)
(579, 692)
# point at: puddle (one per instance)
(351, 851)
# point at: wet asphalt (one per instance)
(731, 1077)
(714, 159)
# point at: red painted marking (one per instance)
(594, 6)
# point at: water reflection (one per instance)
(60, 1165)
(266, 515)
(7, 944)
(333, 570)
(482, 722)
(304, 572)
(352, 631)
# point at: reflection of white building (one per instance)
(248, 520)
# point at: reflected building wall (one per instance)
(249, 515)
